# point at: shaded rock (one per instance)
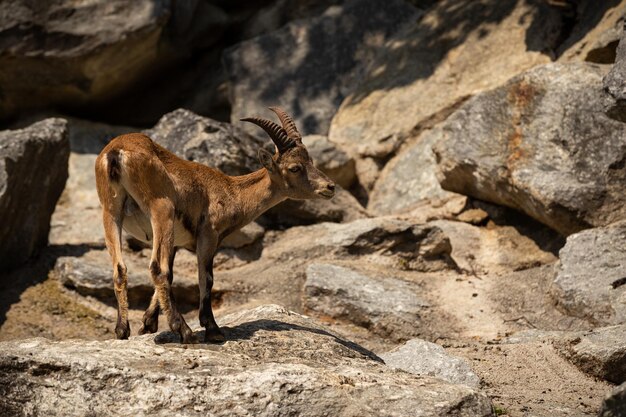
(384, 241)
(541, 144)
(454, 51)
(333, 161)
(615, 81)
(342, 208)
(273, 362)
(590, 276)
(33, 171)
(425, 358)
(614, 405)
(216, 144)
(596, 34)
(247, 235)
(72, 54)
(600, 352)
(386, 306)
(409, 180)
(308, 66)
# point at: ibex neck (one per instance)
(256, 194)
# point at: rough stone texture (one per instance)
(384, 241)
(72, 53)
(247, 235)
(541, 144)
(409, 180)
(342, 208)
(386, 306)
(310, 65)
(333, 161)
(614, 405)
(33, 171)
(615, 81)
(209, 142)
(596, 33)
(454, 51)
(420, 357)
(600, 352)
(274, 362)
(590, 277)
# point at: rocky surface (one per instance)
(614, 404)
(319, 62)
(427, 70)
(615, 81)
(332, 160)
(33, 171)
(589, 279)
(273, 362)
(70, 53)
(386, 306)
(420, 357)
(600, 352)
(562, 167)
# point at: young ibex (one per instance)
(172, 203)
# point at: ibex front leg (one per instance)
(205, 249)
(162, 215)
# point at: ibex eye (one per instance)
(294, 168)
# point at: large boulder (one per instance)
(386, 306)
(458, 48)
(33, 171)
(590, 278)
(310, 65)
(615, 80)
(273, 362)
(541, 144)
(614, 405)
(73, 53)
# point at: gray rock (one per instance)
(310, 65)
(384, 241)
(541, 144)
(245, 236)
(409, 179)
(74, 54)
(614, 405)
(216, 144)
(420, 357)
(333, 161)
(33, 171)
(274, 362)
(600, 352)
(615, 80)
(386, 306)
(423, 73)
(590, 277)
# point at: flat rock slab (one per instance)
(33, 172)
(590, 279)
(601, 352)
(541, 144)
(420, 357)
(386, 306)
(274, 362)
(308, 66)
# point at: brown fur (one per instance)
(152, 193)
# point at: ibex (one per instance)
(172, 203)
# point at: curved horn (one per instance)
(288, 124)
(275, 132)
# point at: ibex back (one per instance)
(171, 203)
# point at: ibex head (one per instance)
(291, 166)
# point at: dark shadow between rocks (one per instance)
(246, 331)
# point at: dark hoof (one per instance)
(149, 327)
(214, 336)
(122, 332)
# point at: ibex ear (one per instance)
(267, 160)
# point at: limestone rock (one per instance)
(273, 362)
(386, 306)
(247, 235)
(216, 144)
(454, 51)
(590, 277)
(600, 352)
(310, 65)
(614, 405)
(615, 81)
(420, 357)
(541, 144)
(76, 53)
(33, 171)
(333, 161)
